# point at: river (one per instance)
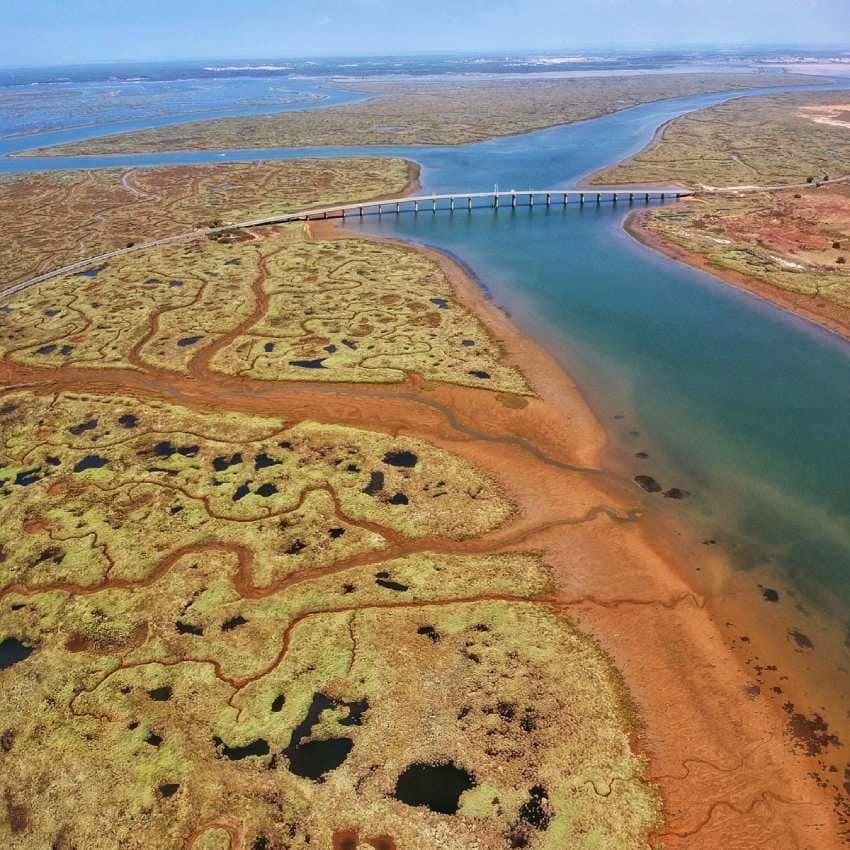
(743, 405)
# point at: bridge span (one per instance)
(473, 200)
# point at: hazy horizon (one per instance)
(495, 52)
(44, 33)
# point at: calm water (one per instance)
(745, 406)
(62, 112)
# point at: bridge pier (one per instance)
(598, 198)
(380, 209)
(495, 201)
(581, 198)
(513, 200)
(566, 196)
(468, 202)
(531, 199)
(548, 199)
(416, 206)
(631, 197)
(452, 203)
(646, 198)
(433, 205)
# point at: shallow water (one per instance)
(741, 404)
(745, 406)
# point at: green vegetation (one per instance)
(783, 244)
(52, 219)
(762, 141)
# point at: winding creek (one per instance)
(741, 404)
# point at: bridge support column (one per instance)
(548, 199)
(495, 201)
(433, 205)
(343, 212)
(397, 208)
(380, 209)
(581, 198)
(646, 198)
(469, 203)
(631, 197)
(566, 197)
(325, 214)
(360, 210)
(452, 204)
(598, 198)
(513, 200)
(416, 206)
(531, 199)
(662, 196)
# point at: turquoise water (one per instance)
(745, 406)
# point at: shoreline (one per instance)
(631, 578)
(797, 304)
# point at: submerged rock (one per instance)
(648, 483)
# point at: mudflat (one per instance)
(780, 227)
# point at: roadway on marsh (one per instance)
(596, 194)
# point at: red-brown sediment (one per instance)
(828, 314)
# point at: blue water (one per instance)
(742, 404)
(64, 112)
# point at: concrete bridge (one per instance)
(478, 200)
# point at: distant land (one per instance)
(522, 63)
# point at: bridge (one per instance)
(477, 200)
(412, 203)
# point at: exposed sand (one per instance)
(835, 115)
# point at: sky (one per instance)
(50, 32)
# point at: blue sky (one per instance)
(38, 32)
